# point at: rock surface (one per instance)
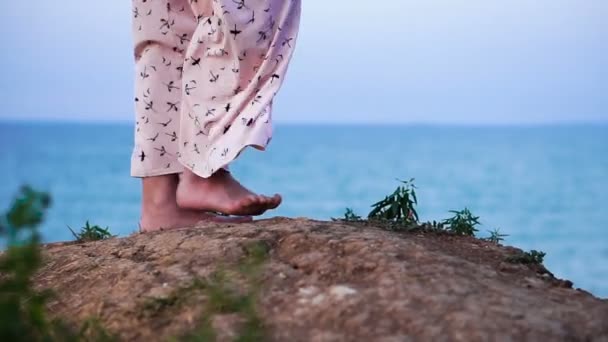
(323, 281)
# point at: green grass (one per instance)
(397, 212)
(462, 223)
(23, 315)
(400, 206)
(432, 226)
(532, 257)
(91, 233)
(495, 236)
(224, 295)
(22, 309)
(93, 330)
(350, 216)
(203, 333)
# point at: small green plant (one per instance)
(23, 315)
(224, 298)
(350, 216)
(91, 233)
(400, 206)
(462, 223)
(203, 333)
(532, 257)
(224, 295)
(92, 330)
(432, 226)
(22, 308)
(495, 236)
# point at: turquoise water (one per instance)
(546, 187)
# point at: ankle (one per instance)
(189, 177)
(158, 193)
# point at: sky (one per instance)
(390, 61)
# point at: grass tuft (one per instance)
(224, 295)
(22, 308)
(462, 223)
(90, 233)
(431, 226)
(532, 257)
(400, 206)
(495, 236)
(23, 315)
(93, 330)
(350, 216)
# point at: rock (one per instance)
(323, 281)
(341, 291)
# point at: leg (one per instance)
(161, 37)
(234, 66)
(161, 32)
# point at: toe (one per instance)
(262, 200)
(261, 205)
(266, 203)
(248, 206)
(275, 201)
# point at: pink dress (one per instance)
(206, 74)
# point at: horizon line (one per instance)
(329, 123)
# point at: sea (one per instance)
(546, 187)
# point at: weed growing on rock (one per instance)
(22, 309)
(432, 226)
(495, 236)
(91, 233)
(350, 216)
(203, 333)
(23, 315)
(462, 223)
(92, 330)
(156, 305)
(224, 296)
(400, 206)
(532, 257)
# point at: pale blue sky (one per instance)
(424, 61)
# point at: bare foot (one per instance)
(160, 210)
(221, 193)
